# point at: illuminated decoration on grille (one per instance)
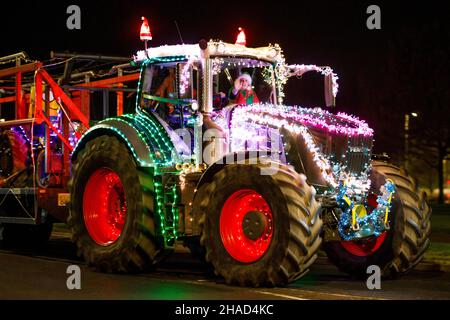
(374, 223)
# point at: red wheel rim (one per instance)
(236, 242)
(366, 247)
(363, 248)
(104, 206)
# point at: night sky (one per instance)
(318, 32)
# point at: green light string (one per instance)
(141, 137)
(125, 139)
(149, 131)
(160, 206)
(159, 135)
(159, 129)
(175, 211)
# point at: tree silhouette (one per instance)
(413, 78)
(420, 65)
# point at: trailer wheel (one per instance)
(111, 209)
(13, 153)
(396, 251)
(259, 230)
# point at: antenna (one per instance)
(179, 33)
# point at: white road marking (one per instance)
(336, 294)
(281, 295)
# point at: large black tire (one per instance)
(137, 247)
(22, 235)
(408, 238)
(296, 225)
(13, 153)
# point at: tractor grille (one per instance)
(357, 149)
(358, 153)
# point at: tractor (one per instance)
(253, 189)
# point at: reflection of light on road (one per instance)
(166, 291)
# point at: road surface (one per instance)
(26, 274)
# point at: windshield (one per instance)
(242, 81)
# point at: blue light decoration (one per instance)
(351, 226)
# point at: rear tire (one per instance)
(408, 239)
(296, 225)
(136, 247)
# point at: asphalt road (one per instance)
(42, 274)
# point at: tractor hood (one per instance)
(326, 147)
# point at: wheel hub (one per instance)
(254, 224)
(246, 225)
(104, 206)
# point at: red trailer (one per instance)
(44, 109)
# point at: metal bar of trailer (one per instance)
(17, 220)
(19, 55)
(24, 68)
(118, 89)
(67, 149)
(20, 122)
(50, 125)
(7, 99)
(88, 57)
(18, 190)
(111, 81)
(119, 99)
(59, 93)
(105, 104)
(19, 112)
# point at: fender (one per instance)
(144, 136)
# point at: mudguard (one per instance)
(143, 134)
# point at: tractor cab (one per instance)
(187, 87)
(169, 89)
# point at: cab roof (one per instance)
(271, 53)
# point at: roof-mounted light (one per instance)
(145, 33)
(241, 39)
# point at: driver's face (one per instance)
(244, 83)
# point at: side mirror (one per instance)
(330, 100)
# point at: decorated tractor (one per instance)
(213, 160)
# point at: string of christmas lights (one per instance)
(297, 120)
(262, 114)
(299, 69)
(352, 226)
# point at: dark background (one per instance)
(383, 74)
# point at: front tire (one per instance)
(398, 250)
(278, 252)
(112, 209)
